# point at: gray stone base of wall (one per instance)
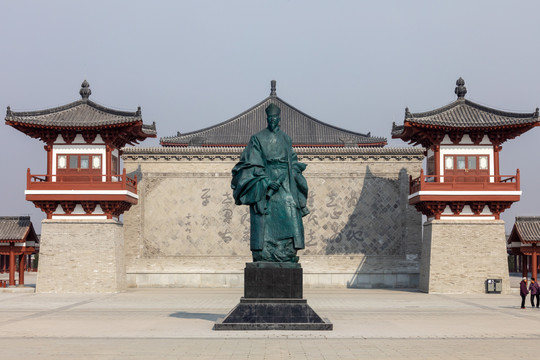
(459, 256)
(81, 256)
(367, 272)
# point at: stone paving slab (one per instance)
(177, 324)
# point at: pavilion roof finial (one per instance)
(460, 90)
(85, 90)
(273, 88)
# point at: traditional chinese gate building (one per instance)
(17, 239)
(462, 192)
(83, 192)
(186, 230)
(524, 241)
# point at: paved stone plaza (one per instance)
(177, 324)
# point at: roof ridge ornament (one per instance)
(536, 113)
(85, 90)
(407, 112)
(8, 111)
(460, 90)
(273, 88)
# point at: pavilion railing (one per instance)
(464, 182)
(81, 181)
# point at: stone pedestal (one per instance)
(458, 256)
(272, 301)
(273, 280)
(81, 256)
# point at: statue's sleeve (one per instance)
(249, 180)
(300, 181)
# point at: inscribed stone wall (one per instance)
(186, 226)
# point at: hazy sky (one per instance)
(192, 64)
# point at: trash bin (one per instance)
(493, 286)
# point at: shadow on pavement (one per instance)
(189, 315)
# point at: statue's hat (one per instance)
(272, 110)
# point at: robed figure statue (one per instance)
(269, 179)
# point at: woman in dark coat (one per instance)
(534, 289)
(523, 291)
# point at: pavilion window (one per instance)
(73, 161)
(483, 162)
(114, 164)
(96, 162)
(472, 162)
(85, 161)
(62, 161)
(460, 162)
(79, 162)
(431, 165)
(449, 163)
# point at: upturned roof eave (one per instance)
(467, 102)
(22, 114)
(519, 232)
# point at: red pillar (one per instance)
(1, 264)
(22, 262)
(496, 171)
(437, 161)
(48, 148)
(108, 162)
(534, 264)
(11, 264)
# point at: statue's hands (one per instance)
(274, 185)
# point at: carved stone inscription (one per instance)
(194, 215)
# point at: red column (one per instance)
(437, 161)
(108, 162)
(11, 264)
(1, 264)
(49, 161)
(496, 171)
(22, 262)
(534, 264)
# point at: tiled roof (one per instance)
(15, 228)
(149, 129)
(463, 113)
(527, 229)
(302, 128)
(83, 113)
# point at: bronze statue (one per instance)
(269, 179)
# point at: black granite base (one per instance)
(272, 301)
(273, 280)
(273, 314)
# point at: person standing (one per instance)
(523, 291)
(534, 289)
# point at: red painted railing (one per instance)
(464, 182)
(81, 182)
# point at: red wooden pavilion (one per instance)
(17, 238)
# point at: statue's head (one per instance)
(273, 116)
